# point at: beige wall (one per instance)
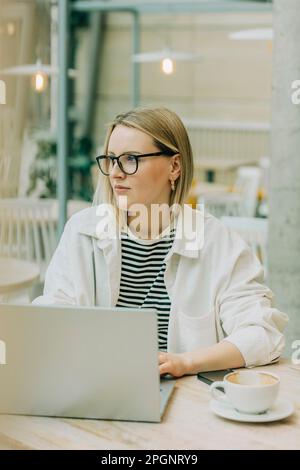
(231, 81)
(16, 47)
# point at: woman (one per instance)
(213, 310)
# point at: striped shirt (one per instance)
(142, 277)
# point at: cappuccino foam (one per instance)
(261, 378)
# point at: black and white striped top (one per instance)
(142, 277)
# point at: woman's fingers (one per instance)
(164, 368)
(162, 357)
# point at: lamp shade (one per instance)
(166, 53)
(31, 69)
(263, 34)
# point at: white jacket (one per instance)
(215, 288)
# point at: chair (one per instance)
(254, 231)
(247, 184)
(17, 277)
(242, 201)
(28, 228)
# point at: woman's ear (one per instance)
(175, 166)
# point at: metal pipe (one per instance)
(94, 65)
(135, 79)
(100, 5)
(165, 6)
(62, 131)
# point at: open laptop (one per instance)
(81, 362)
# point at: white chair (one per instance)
(254, 231)
(247, 184)
(28, 228)
(17, 277)
(222, 204)
(242, 201)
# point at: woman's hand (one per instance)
(174, 364)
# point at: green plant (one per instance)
(43, 171)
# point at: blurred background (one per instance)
(229, 68)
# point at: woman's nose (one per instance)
(116, 171)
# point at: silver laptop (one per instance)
(81, 362)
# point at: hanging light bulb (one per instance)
(10, 27)
(2, 92)
(166, 57)
(167, 66)
(39, 81)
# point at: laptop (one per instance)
(81, 362)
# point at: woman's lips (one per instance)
(121, 189)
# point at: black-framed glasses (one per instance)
(127, 163)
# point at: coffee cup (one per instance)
(249, 392)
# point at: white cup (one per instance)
(247, 391)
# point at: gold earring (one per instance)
(172, 185)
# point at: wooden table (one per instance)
(16, 276)
(206, 188)
(214, 164)
(211, 164)
(187, 424)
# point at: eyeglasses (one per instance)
(127, 163)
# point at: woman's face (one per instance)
(151, 183)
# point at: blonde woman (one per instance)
(213, 310)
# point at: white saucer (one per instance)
(280, 410)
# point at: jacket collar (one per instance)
(189, 238)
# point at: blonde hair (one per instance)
(168, 134)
